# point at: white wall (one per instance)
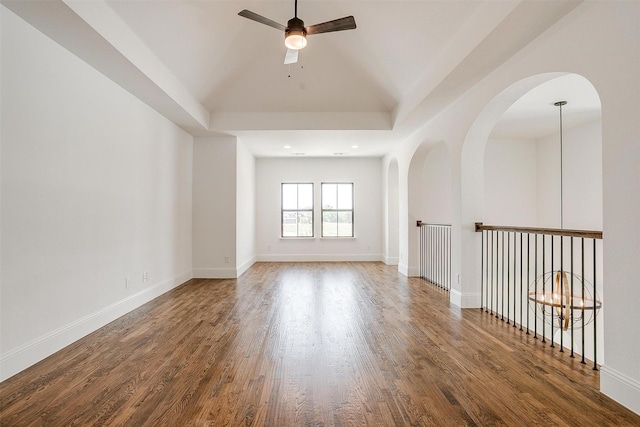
(96, 188)
(522, 180)
(390, 235)
(245, 209)
(214, 207)
(365, 173)
(582, 176)
(510, 183)
(436, 186)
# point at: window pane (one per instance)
(297, 210)
(329, 224)
(345, 196)
(289, 196)
(329, 196)
(345, 224)
(289, 224)
(305, 224)
(305, 196)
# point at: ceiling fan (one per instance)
(295, 33)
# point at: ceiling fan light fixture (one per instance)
(295, 40)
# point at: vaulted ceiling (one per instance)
(215, 73)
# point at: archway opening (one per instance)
(533, 168)
(430, 195)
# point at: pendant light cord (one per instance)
(560, 104)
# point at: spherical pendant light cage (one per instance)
(564, 298)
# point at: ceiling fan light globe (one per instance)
(295, 40)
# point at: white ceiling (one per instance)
(535, 116)
(216, 73)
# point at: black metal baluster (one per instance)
(432, 268)
(437, 272)
(508, 273)
(582, 304)
(423, 233)
(562, 313)
(544, 293)
(502, 279)
(427, 260)
(535, 300)
(554, 290)
(442, 260)
(421, 252)
(482, 271)
(449, 287)
(571, 299)
(515, 251)
(490, 271)
(595, 323)
(497, 272)
(423, 255)
(521, 267)
(440, 256)
(528, 276)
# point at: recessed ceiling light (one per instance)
(298, 154)
(354, 146)
(338, 154)
(287, 146)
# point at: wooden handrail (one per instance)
(590, 234)
(419, 223)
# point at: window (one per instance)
(337, 209)
(297, 210)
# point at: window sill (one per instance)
(321, 238)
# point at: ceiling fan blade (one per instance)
(261, 19)
(346, 23)
(291, 57)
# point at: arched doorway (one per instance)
(517, 171)
(430, 195)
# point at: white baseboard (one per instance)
(22, 357)
(390, 260)
(215, 273)
(403, 269)
(245, 266)
(413, 272)
(620, 388)
(318, 257)
(464, 300)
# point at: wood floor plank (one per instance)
(318, 344)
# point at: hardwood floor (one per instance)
(308, 344)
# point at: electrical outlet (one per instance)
(144, 276)
(226, 260)
(127, 282)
